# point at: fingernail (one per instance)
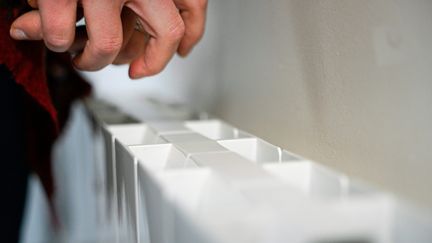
(18, 34)
(184, 52)
(135, 76)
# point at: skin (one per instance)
(169, 26)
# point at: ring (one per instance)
(138, 26)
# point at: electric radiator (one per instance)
(206, 181)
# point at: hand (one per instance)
(170, 27)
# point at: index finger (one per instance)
(193, 13)
(58, 23)
(104, 29)
(166, 28)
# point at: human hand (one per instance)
(168, 26)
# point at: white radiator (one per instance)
(172, 181)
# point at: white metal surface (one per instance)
(206, 181)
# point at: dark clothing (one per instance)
(26, 62)
(34, 106)
(14, 167)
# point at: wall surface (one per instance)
(347, 83)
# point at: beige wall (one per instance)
(347, 83)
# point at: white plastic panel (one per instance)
(135, 134)
(110, 169)
(315, 180)
(163, 127)
(201, 181)
(254, 184)
(126, 188)
(158, 158)
(215, 129)
(257, 150)
(184, 137)
(190, 148)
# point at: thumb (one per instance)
(27, 27)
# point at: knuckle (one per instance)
(201, 4)
(107, 47)
(58, 41)
(176, 31)
(195, 34)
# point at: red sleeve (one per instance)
(25, 60)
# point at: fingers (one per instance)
(165, 27)
(133, 40)
(27, 27)
(58, 23)
(127, 53)
(169, 31)
(133, 49)
(104, 29)
(193, 13)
